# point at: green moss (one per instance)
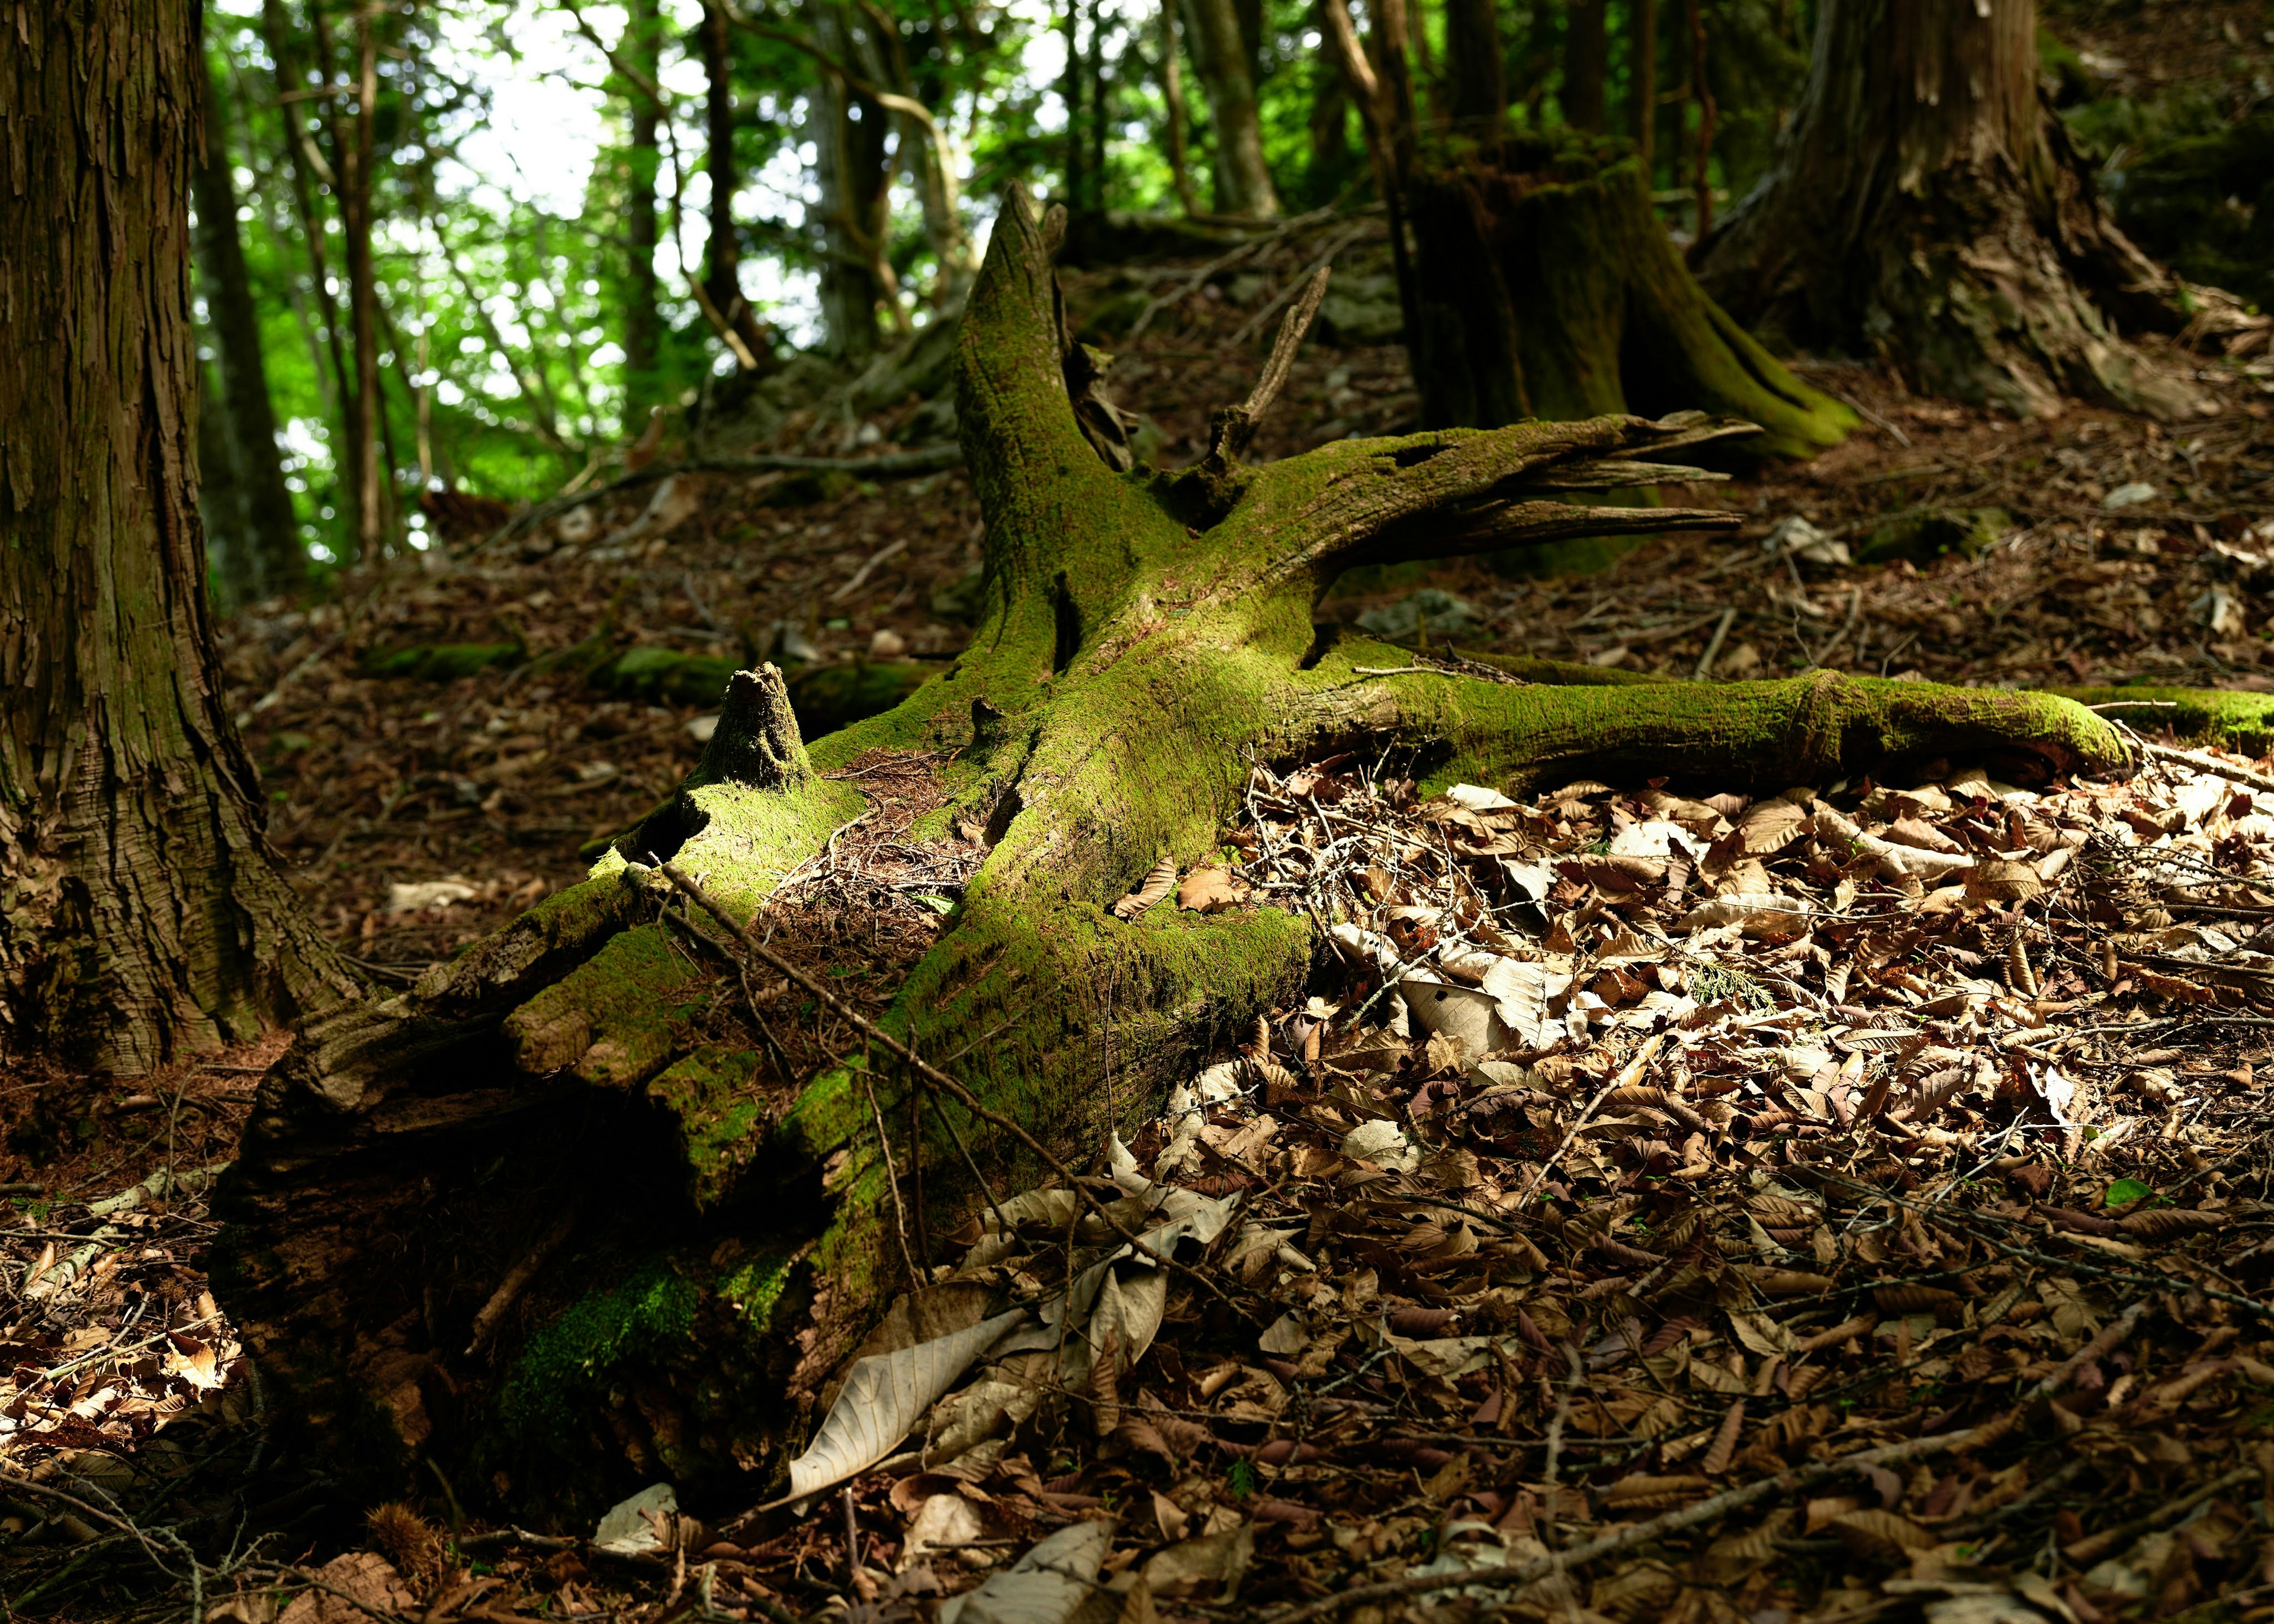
(2243, 722)
(568, 1360)
(616, 1018)
(719, 1104)
(1925, 535)
(666, 673)
(440, 662)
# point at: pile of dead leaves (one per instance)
(1807, 1206)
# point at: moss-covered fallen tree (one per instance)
(562, 1218)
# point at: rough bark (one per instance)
(1547, 288)
(1587, 58)
(141, 915)
(1145, 632)
(1220, 53)
(1927, 209)
(274, 558)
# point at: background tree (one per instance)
(1927, 207)
(643, 319)
(143, 914)
(1586, 63)
(1221, 56)
(265, 553)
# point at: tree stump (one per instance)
(1546, 287)
(561, 1219)
(1926, 209)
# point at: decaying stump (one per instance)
(568, 1214)
(1545, 287)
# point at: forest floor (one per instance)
(1970, 1135)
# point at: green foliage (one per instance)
(2126, 1193)
(502, 312)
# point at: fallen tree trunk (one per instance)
(590, 1204)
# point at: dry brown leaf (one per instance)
(1208, 888)
(1881, 1535)
(1641, 1493)
(1905, 1299)
(1156, 887)
(2164, 1223)
(1725, 1441)
(1785, 1282)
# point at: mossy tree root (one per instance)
(729, 1230)
(1550, 289)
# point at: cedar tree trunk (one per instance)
(271, 531)
(1243, 180)
(1926, 207)
(1546, 288)
(141, 915)
(554, 1215)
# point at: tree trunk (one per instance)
(1547, 288)
(1173, 92)
(141, 915)
(1927, 207)
(1642, 86)
(308, 170)
(354, 151)
(851, 176)
(1473, 55)
(932, 157)
(643, 328)
(1586, 61)
(269, 532)
(722, 270)
(559, 1217)
(1701, 92)
(233, 570)
(1070, 80)
(1243, 180)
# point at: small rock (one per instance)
(887, 644)
(627, 1530)
(1439, 614)
(702, 727)
(420, 895)
(2218, 610)
(2130, 495)
(1796, 535)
